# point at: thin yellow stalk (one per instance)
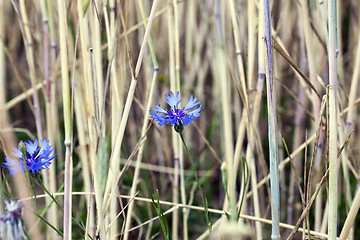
(252, 137)
(175, 135)
(220, 70)
(21, 189)
(354, 87)
(7, 139)
(350, 219)
(53, 135)
(240, 64)
(26, 94)
(177, 44)
(146, 116)
(175, 197)
(111, 30)
(324, 222)
(80, 114)
(190, 20)
(174, 75)
(114, 160)
(244, 95)
(31, 64)
(197, 62)
(50, 123)
(111, 36)
(310, 55)
(141, 150)
(90, 113)
(171, 39)
(240, 139)
(52, 174)
(116, 98)
(227, 134)
(255, 198)
(345, 168)
(97, 57)
(339, 50)
(344, 156)
(28, 42)
(67, 118)
(55, 128)
(323, 19)
(45, 21)
(50, 9)
(4, 118)
(116, 94)
(21, 97)
(256, 108)
(312, 72)
(332, 120)
(186, 212)
(251, 43)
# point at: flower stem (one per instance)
(47, 192)
(31, 186)
(203, 197)
(38, 178)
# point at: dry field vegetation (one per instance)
(84, 74)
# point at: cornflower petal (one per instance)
(157, 117)
(196, 112)
(11, 226)
(172, 100)
(34, 167)
(191, 104)
(17, 153)
(45, 150)
(159, 109)
(176, 116)
(31, 147)
(187, 120)
(37, 158)
(13, 166)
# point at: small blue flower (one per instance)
(176, 116)
(36, 158)
(11, 225)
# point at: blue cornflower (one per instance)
(36, 158)
(175, 116)
(11, 225)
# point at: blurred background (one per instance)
(86, 73)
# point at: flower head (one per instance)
(36, 158)
(175, 116)
(11, 225)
